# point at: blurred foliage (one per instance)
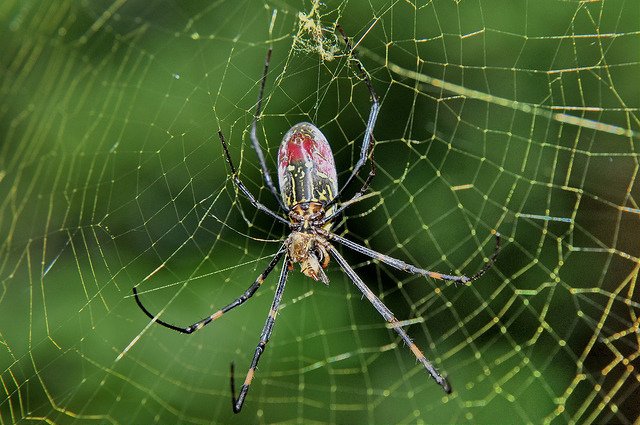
(111, 175)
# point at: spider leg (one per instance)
(238, 301)
(401, 265)
(264, 338)
(243, 188)
(371, 122)
(254, 136)
(390, 318)
(346, 204)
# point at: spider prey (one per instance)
(309, 195)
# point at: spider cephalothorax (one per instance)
(304, 244)
(311, 251)
(309, 195)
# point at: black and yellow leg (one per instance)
(401, 265)
(389, 317)
(238, 301)
(243, 188)
(254, 135)
(367, 142)
(264, 338)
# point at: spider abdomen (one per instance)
(306, 169)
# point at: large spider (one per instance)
(309, 192)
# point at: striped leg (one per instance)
(254, 136)
(243, 188)
(238, 301)
(401, 265)
(389, 317)
(367, 142)
(346, 204)
(264, 338)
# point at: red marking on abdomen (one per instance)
(301, 148)
(306, 165)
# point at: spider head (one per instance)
(305, 215)
(310, 251)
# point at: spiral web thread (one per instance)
(519, 118)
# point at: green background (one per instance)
(112, 175)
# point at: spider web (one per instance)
(518, 117)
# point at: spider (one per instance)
(308, 195)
